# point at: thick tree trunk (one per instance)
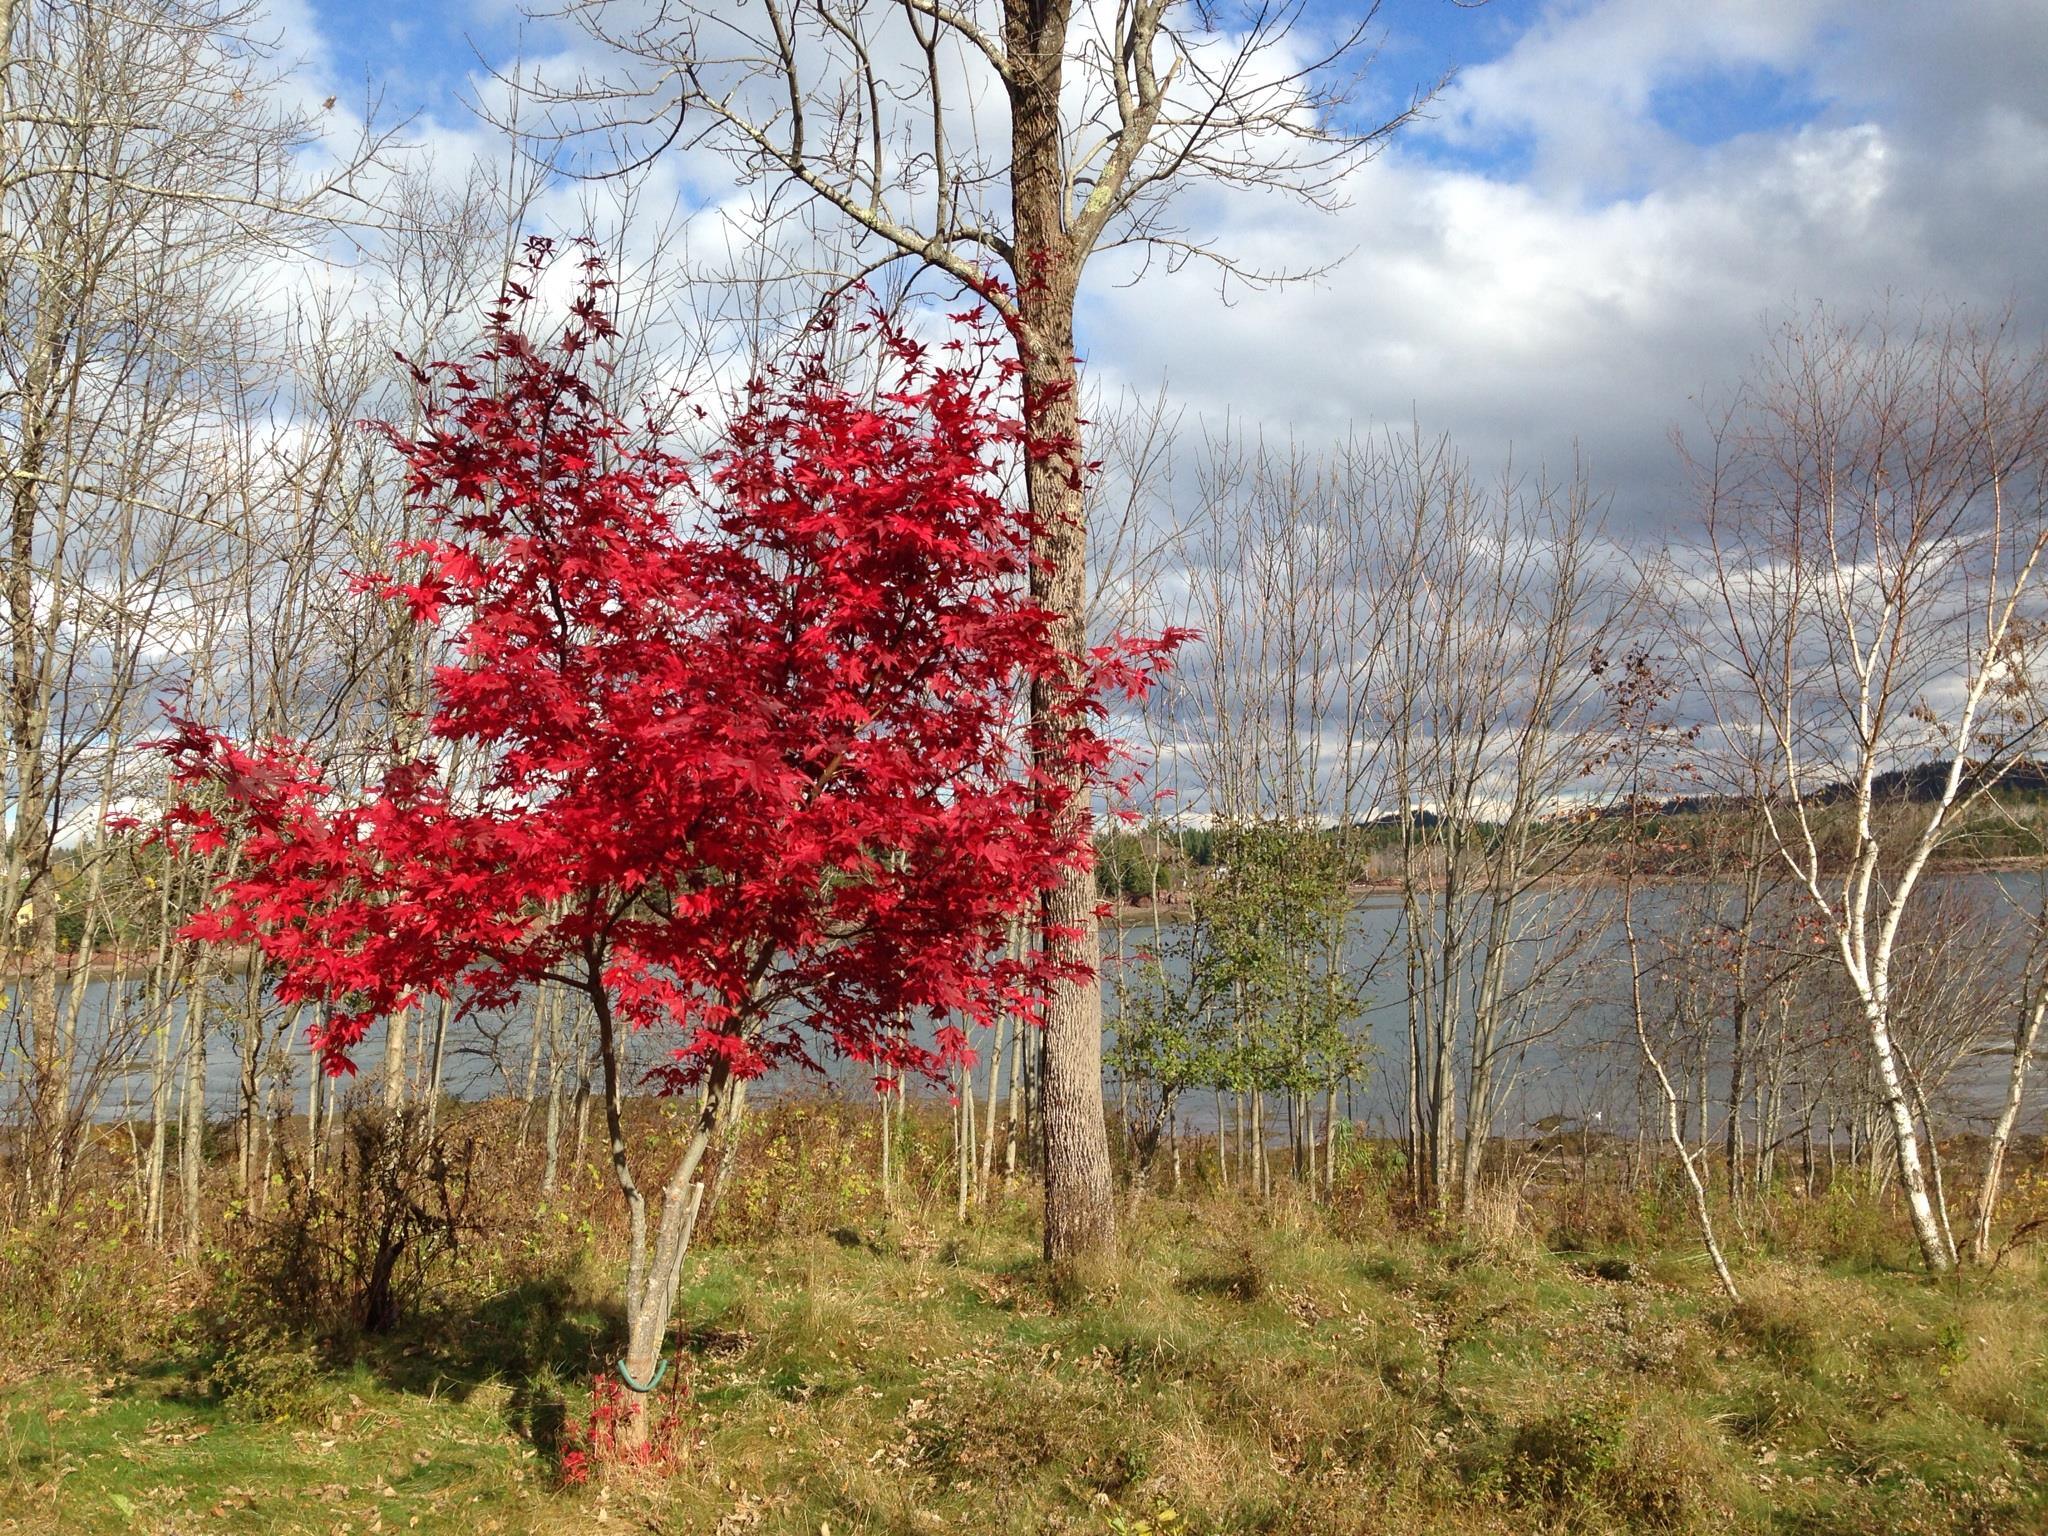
(1080, 1212)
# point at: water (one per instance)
(1571, 1056)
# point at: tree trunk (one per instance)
(538, 1030)
(1012, 1131)
(963, 1142)
(1330, 1143)
(317, 1089)
(888, 1180)
(1927, 1225)
(192, 1132)
(248, 1084)
(1222, 1144)
(1080, 1211)
(729, 1145)
(394, 1059)
(551, 1145)
(988, 1129)
(437, 1060)
(159, 1114)
(2026, 1035)
(654, 1259)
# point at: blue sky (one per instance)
(420, 55)
(417, 55)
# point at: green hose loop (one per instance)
(660, 1370)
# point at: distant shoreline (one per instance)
(1174, 903)
(14, 964)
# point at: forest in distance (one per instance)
(669, 862)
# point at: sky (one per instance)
(1578, 250)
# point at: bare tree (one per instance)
(1875, 522)
(148, 163)
(1504, 608)
(1644, 745)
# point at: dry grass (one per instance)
(1281, 1369)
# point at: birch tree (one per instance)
(1875, 521)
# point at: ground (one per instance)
(1233, 1370)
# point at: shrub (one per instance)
(1630, 1468)
(357, 1250)
(265, 1375)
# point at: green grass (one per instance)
(142, 1452)
(1236, 1371)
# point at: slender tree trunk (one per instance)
(394, 1058)
(583, 1098)
(316, 1089)
(963, 1141)
(192, 1133)
(1330, 1143)
(159, 1113)
(995, 1079)
(654, 1256)
(2026, 1036)
(888, 1182)
(249, 1057)
(552, 1131)
(1939, 1190)
(1927, 1224)
(1012, 1134)
(729, 1144)
(1260, 1184)
(1173, 1136)
(438, 1061)
(538, 1030)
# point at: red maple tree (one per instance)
(757, 768)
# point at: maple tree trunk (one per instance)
(654, 1260)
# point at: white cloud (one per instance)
(1539, 312)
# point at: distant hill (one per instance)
(1921, 782)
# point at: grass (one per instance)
(1233, 1371)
